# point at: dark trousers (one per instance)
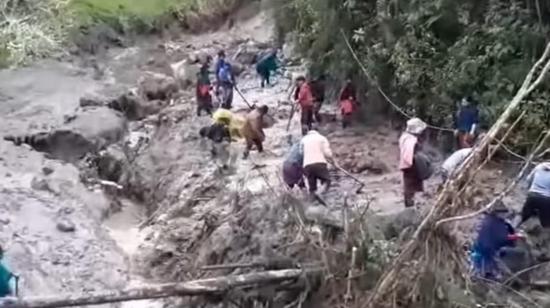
(317, 111)
(537, 205)
(346, 120)
(204, 104)
(226, 95)
(264, 75)
(317, 172)
(306, 119)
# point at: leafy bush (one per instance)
(428, 54)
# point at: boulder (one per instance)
(155, 86)
(136, 108)
(65, 225)
(89, 131)
(110, 163)
(93, 100)
(248, 53)
(395, 224)
(184, 73)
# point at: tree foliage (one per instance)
(427, 54)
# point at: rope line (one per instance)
(399, 109)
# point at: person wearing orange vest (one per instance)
(305, 101)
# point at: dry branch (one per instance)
(446, 205)
(217, 285)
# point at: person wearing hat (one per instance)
(410, 144)
(494, 234)
(538, 197)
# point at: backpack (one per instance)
(224, 74)
(424, 168)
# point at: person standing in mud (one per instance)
(293, 171)
(266, 66)
(220, 138)
(253, 130)
(204, 99)
(305, 101)
(411, 162)
(318, 88)
(495, 234)
(317, 154)
(538, 198)
(225, 80)
(467, 120)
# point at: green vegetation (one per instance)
(32, 29)
(428, 54)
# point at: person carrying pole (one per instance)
(225, 81)
(317, 154)
(304, 100)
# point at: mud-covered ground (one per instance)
(66, 230)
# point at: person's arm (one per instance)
(475, 122)
(326, 150)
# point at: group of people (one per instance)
(497, 237)
(225, 82)
(310, 96)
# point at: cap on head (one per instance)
(263, 109)
(416, 126)
(221, 53)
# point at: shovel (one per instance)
(242, 96)
(361, 183)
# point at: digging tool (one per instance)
(361, 183)
(242, 96)
(289, 135)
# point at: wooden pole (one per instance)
(208, 286)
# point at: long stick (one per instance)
(242, 96)
(215, 285)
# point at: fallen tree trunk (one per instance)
(449, 202)
(210, 286)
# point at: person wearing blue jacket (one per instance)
(494, 234)
(467, 121)
(5, 278)
(266, 66)
(293, 171)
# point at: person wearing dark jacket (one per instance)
(220, 146)
(467, 120)
(318, 89)
(204, 99)
(494, 234)
(266, 66)
(348, 91)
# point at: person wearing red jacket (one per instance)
(305, 101)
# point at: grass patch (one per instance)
(129, 15)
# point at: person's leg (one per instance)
(317, 111)
(259, 145)
(309, 118)
(323, 175)
(303, 121)
(529, 208)
(543, 208)
(223, 154)
(267, 77)
(311, 178)
(229, 96)
(249, 145)
(408, 192)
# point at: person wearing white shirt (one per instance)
(454, 161)
(316, 154)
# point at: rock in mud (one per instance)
(65, 225)
(185, 73)
(40, 184)
(155, 86)
(248, 53)
(89, 131)
(394, 224)
(47, 170)
(93, 100)
(110, 164)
